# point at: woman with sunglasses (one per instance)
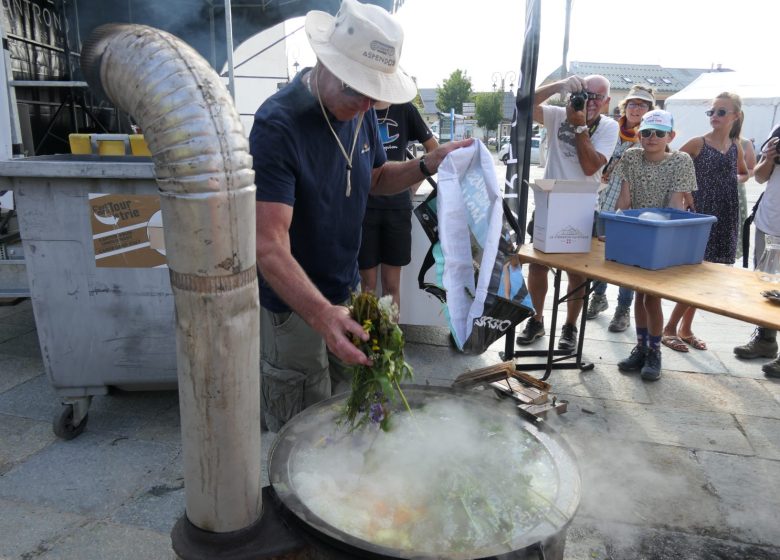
(720, 165)
(638, 101)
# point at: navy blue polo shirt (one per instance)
(298, 162)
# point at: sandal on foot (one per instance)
(674, 342)
(694, 341)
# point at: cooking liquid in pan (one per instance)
(450, 480)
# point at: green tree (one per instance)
(453, 92)
(489, 109)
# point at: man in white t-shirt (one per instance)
(580, 142)
(763, 343)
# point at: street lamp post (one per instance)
(503, 77)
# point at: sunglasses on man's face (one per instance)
(354, 93)
(595, 96)
(646, 133)
(719, 112)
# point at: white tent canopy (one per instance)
(760, 100)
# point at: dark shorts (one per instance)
(387, 238)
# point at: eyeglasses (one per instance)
(719, 112)
(646, 133)
(354, 93)
(634, 105)
(595, 96)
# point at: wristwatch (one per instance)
(424, 168)
(580, 129)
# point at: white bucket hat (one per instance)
(361, 46)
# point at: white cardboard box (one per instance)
(563, 216)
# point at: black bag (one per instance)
(746, 232)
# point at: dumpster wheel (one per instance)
(63, 423)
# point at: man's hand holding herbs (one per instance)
(339, 330)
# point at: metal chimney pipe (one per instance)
(207, 192)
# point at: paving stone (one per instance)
(696, 391)
(23, 345)
(771, 386)
(31, 399)
(627, 542)
(653, 424)
(20, 311)
(9, 331)
(20, 438)
(644, 484)
(92, 474)
(18, 369)
(159, 504)
(442, 365)
(28, 530)
(95, 540)
(748, 495)
(604, 382)
(763, 434)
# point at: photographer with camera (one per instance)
(581, 140)
(763, 343)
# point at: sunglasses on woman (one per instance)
(646, 133)
(719, 112)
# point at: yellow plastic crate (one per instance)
(109, 144)
(139, 146)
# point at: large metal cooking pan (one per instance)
(313, 429)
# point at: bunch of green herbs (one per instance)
(375, 388)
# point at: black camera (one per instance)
(775, 134)
(578, 100)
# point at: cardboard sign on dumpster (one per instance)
(563, 215)
(127, 230)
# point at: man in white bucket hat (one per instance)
(317, 154)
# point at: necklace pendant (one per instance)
(349, 180)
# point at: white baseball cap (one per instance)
(658, 120)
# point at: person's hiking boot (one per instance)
(621, 320)
(772, 369)
(651, 371)
(533, 329)
(568, 339)
(635, 360)
(763, 344)
(598, 303)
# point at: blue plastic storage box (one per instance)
(655, 244)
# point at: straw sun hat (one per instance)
(361, 46)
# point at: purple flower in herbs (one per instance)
(376, 413)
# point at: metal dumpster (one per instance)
(103, 318)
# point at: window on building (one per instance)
(650, 81)
(627, 80)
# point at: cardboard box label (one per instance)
(563, 216)
(127, 230)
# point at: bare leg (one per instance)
(654, 315)
(674, 319)
(640, 315)
(574, 303)
(537, 288)
(391, 283)
(368, 279)
(686, 325)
